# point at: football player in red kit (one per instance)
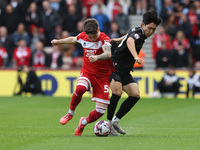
(97, 66)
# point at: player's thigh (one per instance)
(116, 87)
(100, 90)
(132, 90)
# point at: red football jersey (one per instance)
(22, 56)
(100, 67)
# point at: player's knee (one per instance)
(137, 95)
(100, 109)
(80, 90)
(117, 92)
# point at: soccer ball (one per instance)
(102, 128)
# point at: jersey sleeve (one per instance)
(106, 41)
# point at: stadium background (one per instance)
(61, 83)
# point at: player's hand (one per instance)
(54, 42)
(93, 58)
(138, 60)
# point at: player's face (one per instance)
(93, 37)
(149, 29)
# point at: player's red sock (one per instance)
(77, 96)
(93, 116)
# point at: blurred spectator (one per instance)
(39, 57)
(141, 6)
(163, 57)
(49, 20)
(2, 8)
(197, 8)
(157, 40)
(32, 19)
(180, 57)
(70, 20)
(32, 84)
(8, 43)
(196, 48)
(20, 34)
(59, 30)
(55, 4)
(170, 27)
(10, 19)
(94, 8)
(64, 4)
(122, 20)
(103, 20)
(180, 38)
(37, 35)
(193, 20)
(193, 83)
(197, 65)
(21, 54)
(185, 26)
(178, 12)
(67, 51)
(167, 9)
(114, 33)
(158, 5)
(138, 66)
(169, 83)
(3, 56)
(87, 4)
(78, 48)
(55, 58)
(16, 6)
(113, 8)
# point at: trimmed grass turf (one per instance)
(32, 123)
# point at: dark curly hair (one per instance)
(151, 16)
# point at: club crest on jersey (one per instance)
(96, 45)
(136, 36)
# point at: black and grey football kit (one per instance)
(123, 59)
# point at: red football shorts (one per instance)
(100, 86)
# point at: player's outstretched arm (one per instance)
(131, 47)
(68, 40)
(104, 56)
(117, 40)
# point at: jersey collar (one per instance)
(143, 33)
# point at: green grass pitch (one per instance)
(32, 123)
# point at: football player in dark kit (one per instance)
(124, 58)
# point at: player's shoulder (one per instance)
(103, 36)
(137, 30)
(81, 35)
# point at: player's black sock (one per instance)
(126, 106)
(113, 104)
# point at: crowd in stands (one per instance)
(28, 26)
(177, 42)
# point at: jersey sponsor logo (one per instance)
(90, 52)
(90, 45)
(136, 36)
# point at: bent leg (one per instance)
(97, 113)
(134, 95)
